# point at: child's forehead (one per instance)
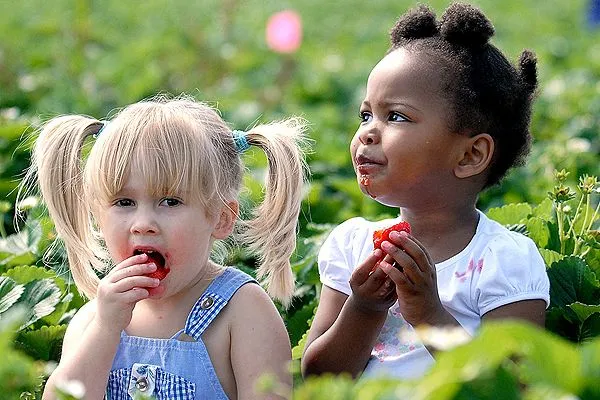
(403, 72)
(417, 62)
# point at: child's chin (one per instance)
(157, 292)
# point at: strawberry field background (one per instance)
(91, 57)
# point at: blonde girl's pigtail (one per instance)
(271, 233)
(57, 162)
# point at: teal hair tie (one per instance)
(240, 141)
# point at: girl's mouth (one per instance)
(153, 256)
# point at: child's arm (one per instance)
(345, 328)
(93, 335)
(259, 344)
(533, 311)
(87, 355)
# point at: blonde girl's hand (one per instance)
(410, 267)
(372, 290)
(121, 289)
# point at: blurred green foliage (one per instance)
(91, 57)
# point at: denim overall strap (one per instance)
(216, 296)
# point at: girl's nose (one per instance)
(144, 224)
(369, 136)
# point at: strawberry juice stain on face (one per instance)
(365, 181)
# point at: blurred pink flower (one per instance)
(284, 32)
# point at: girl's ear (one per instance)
(477, 155)
(226, 220)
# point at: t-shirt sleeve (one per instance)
(336, 258)
(512, 270)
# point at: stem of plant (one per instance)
(559, 220)
(594, 217)
(2, 229)
(577, 212)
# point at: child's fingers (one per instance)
(129, 283)
(128, 262)
(398, 277)
(132, 270)
(135, 294)
(410, 268)
(414, 249)
(365, 269)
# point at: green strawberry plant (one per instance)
(565, 229)
(41, 299)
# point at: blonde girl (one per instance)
(138, 217)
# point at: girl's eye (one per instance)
(397, 117)
(124, 203)
(170, 202)
(365, 116)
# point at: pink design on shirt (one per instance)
(389, 343)
(462, 276)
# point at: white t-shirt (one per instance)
(496, 268)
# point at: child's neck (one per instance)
(444, 232)
(163, 317)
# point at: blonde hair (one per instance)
(179, 144)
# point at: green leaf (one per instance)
(298, 350)
(41, 297)
(550, 256)
(590, 329)
(593, 260)
(299, 322)
(544, 210)
(26, 241)
(571, 281)
(541, 358)
(499, 384)
(561, 321)
(590, 354)
(24, 274)
(510, 213)
(538, 231)
(44, 343)
(10, 292)
(584, 311)
(21, 247)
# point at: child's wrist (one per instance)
(106, 330)
(367, 307)
(441, 317)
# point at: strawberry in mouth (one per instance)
(158, 260)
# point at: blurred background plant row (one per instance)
(93, 57)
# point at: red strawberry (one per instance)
(160, 273)
(384, 234)
(158, 260)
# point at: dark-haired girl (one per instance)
(445, 116)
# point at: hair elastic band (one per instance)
(104, 124)
(240, 141)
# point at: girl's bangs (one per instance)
(173, 161)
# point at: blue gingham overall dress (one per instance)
(170, 368)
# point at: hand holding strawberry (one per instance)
(372, 290)
(118, 292)
(410, 267)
